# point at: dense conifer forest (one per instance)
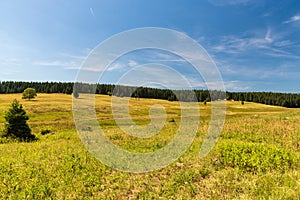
(290, 100)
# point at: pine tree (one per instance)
(16, 123)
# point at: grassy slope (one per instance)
(59, 167)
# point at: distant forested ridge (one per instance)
(8, 87)
(290, 100)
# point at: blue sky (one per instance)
(254, 43)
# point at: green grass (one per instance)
(256, 157)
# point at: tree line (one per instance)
(8, 87)
(290, 100)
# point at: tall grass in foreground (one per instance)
(257, 156)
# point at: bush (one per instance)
(16, 123)
(29, 93)
(45, 131)
(256, 157)
(172, 120)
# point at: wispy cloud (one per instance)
(283, 43)
(58, 63)
(132, 63)
(249, 71)
(9, 72)
(159, 56)
(64, 60)
(237, 44)
(237, 85)
(122, 65)
(9, 66)
(269, 43)
(158, 75)
(268, 37)
(230, 2)
(8, 62)
(293, 19)
(68, 55)
(92, 12)
(116, 66)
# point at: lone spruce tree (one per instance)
(16, 123)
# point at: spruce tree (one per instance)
(16, 123)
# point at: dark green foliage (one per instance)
(7, 87)
(45, 131)
(171, 98)
(29, 93)
(122, 91)
(16, 123)
(269, 98)
(288, 100)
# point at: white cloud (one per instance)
(157, 57)
(267, 14)
(292, 19)
(249, 71)
(237, 85)
(9, 72)
(152, 54)
(132, 63)
(282, 54)
(80, 57)
(116, 66)
(8, 62)
(64, 60)
(9, 66)
(235, 44)
(58, 63)
(121, 65)
(283, 43)
(268, 36)
(157, 74)
(269, 43)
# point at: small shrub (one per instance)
(204, 172)
(116, 137)
(45, 131)
(172, 120)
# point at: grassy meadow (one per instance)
(256, 157)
